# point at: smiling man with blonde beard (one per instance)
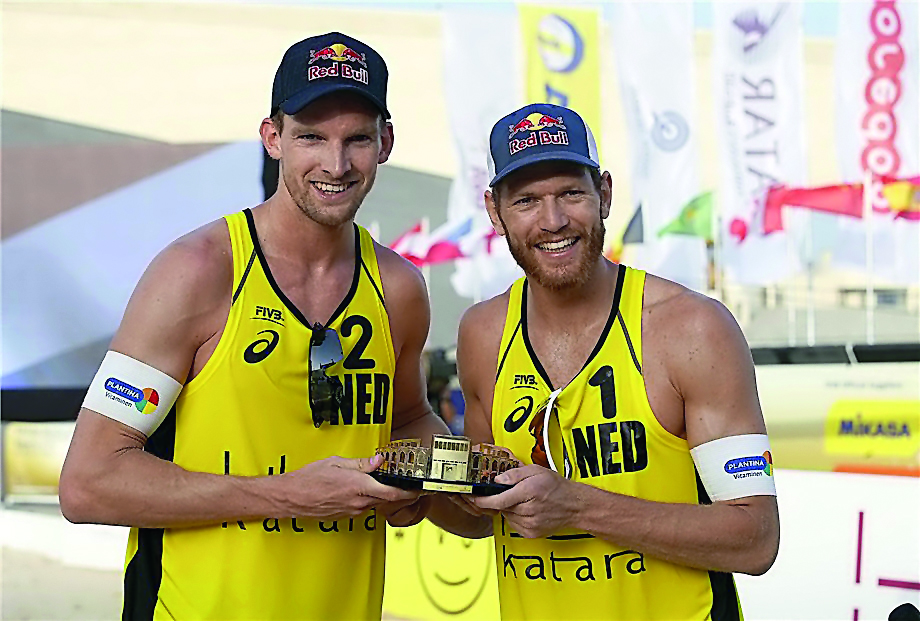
(630, 399)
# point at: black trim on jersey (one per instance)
(507, 349)
(724, 596)
(632, 351)
(614, 309)
(533, 355)
(144, 572)
(371, 278)
(239, 289)
(284, 299)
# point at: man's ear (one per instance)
(386, 143)
(271, 138)
(606, 194)
(492, 208)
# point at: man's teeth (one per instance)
(556, 246)
(330, 188)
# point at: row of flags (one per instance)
(758, 212)
(455, 239)
(696, 219)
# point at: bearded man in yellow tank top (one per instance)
(630, 399)
(261, 360)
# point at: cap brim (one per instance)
(549, 156)
(298, 101)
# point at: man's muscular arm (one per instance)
(710, 367)
(179, 304)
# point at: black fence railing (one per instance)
(63, 404)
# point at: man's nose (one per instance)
(336, 161)
(553, 217)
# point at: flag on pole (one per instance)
(439, 246)
(845, 199)
(695, 219)
(405, 244)
(481, 46)
(633, 234)
(760, 125)
(903, 196)
(658, 88)
(444, 242)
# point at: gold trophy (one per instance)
(450, 465)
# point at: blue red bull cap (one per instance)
(325, 64)
(539, 133)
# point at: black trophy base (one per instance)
(437, 485)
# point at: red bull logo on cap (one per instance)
(536, 126)
(339, 52)
(341, 55)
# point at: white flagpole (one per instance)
(790, 283)
(870, 264)
(810, 303)
(426, 269)
(374, 230)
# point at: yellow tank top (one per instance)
(602, 432)
(248, 413)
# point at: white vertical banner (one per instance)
(657, 83)
(482, 83)
(878, 127)
(760, 124)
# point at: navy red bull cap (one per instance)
(325, 64)
(539, 133)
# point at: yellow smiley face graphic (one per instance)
(453, 571)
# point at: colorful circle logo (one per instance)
(148, 405)
(768, 468)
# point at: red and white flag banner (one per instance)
(877, 103)
(760, 125)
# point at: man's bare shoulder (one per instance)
(480, 333)
(485, 321)
(180, 301)
(200, 260)
(689, 327)
(402, 280)
(669, 303)
(478, 341)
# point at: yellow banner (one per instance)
(563, 61)
(880, 427)
(432, 574)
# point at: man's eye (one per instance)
(361, 138)
(308, 137)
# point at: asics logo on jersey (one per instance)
(259, 349)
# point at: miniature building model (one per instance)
(448, 459)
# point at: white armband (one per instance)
(131, 392)
(735, 467)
